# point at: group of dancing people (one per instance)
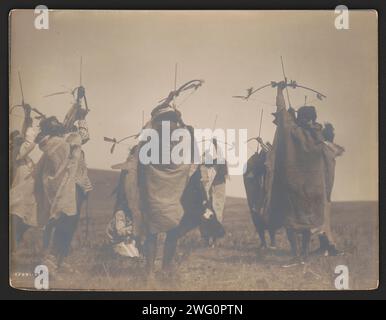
(288, 185)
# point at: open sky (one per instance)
(129, 59)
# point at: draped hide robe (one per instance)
(254, 182)
(58, 171)
(22, 200)
(162, 196)
(154, 191)
(296, 196)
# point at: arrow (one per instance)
(285, 80)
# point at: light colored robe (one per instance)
(22, 202)
(215, 187)
(55, 186)
(76, 140)
(330, 152)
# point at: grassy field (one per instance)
(235, 263)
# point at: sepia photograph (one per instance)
(190, 150)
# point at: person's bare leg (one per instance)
(260, 228)
(170, 247)
(272, 236)
(324, 244)
(292, 238)
(150, 253)
(306, 239)
(261, 233)
(170, 250)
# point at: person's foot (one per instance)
(205, 242)
(321, 251)
(334, 252)
(304, 258)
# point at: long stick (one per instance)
(21, 88)
(87, 218)
(175, 83)
(80, 71)
(175, 76)
(26, 114)
(285, 79)
(261, 121)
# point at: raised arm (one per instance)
(283, 117)
(280, 101)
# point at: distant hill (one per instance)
(106, 180)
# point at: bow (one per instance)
(192, 84)
(216, 141)
(291, 84)
(114, 141)
(265, 146)
(27, 110)
(79, 94)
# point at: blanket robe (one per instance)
(258, 182)
(254, 178)
(22, 200)
(163, 186)
(298, 189)
(154, 193)
(133, 195)
(330, 152)
(159, 196)
(76, 140)
(61, 168)
(187, 205)
(56, 177)
(151, 214)
(218, 196)
(213, 179)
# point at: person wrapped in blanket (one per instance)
(120, 228)
(23, 211)
(331, 151)
(213, 179)
(299, 192)
(256, 181)
(61, 185)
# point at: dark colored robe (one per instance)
(298, 190)
(163, 196)
(254, 181)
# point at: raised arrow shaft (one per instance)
(285, 80)
(21, 88)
